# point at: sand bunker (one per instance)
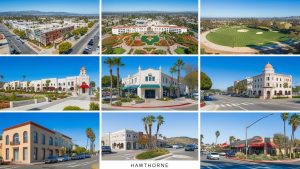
(259, 33)
(243, 30)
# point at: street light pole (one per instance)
(249, 127)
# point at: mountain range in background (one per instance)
(40, 13)
(182, 140)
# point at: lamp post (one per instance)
(249, 127)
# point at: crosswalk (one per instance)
(73, 164)
(234, 104)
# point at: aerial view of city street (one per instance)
(250, 140)
(149, 136)
(249, 27)
(41, 27)
(250, 83)
(31, 141)
(143, 83)
(150, 27)
(44, 84)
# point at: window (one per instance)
(35, 153)
(56, 142)
(25, 137)
(44, 153)
(50, 141)
(7, 154)
(16, 139)
(25, 153)
(43, 139)
(146, 78)
(7, 140)
(35, 137)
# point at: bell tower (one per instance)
(82, 71)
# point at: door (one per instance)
(16, 155)
(150, 94)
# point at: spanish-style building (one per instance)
(30, 143)
(127, 140)
(267, 85)
(152, 83)
(76, 84)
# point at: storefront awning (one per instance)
(130, 87)
(150, 86)
(84, 86)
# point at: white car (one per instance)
(213, 156)
(222, 154)
(176, 146)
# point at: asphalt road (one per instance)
(177, 154)
(225, 103)
(14, 43)
(192, 107)
(225, 163)
(76, 164)
(93, 34)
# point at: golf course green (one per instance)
(243, 36)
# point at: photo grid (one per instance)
(149, 84)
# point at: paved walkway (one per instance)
(57, 105)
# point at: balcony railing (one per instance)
(14, 143)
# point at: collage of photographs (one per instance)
(174, 84)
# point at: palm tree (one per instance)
(284, 117)
(160, 121)
(92, 139)
(88, 132)
(172, 71)
(146, 128)
(110, 62)
(150, 120)
(231, 139)
(294, 122)
(217, 133)
(179, 65)
(201, 139)
(118, 63)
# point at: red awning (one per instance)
(84, 86)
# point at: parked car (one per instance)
(196, 146)
(91, 42)
(176, 146)
(168, 146)
(189, 147)
(88, 156)
(106, 149)
(230, 154)
(51, 159)
(86, 51)
(213, 156)
(74, 157)
(222, 154)
(208, 98)
(62, 158)
(81, 156)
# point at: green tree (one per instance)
(150, 120)
(106, 81)
(191, 80)
(294, 121)
(93, 85)
(205, 81)
(284, 117)
(279, 140)
(110, 62)
(88, 133)
(64, 47)
(92, 139)
(179, 65)
(232, 139)
(160, 121)
(145, 122)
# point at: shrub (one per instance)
(139, 100)
(131, 95)
(152, 154)
(105, 101)
(126, 100)
(118, 103)
(70, 108)
(240, 155)
(94, 106)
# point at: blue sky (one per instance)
(225, 70)
(132, 64)
(234, 124)
(152, 5)
(35, 68)
(176, 124)
(249, 8)
(73, 6)
(70, 124)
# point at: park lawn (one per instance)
(180, 50)
(119, 50)
(229, 36)
(152, 41)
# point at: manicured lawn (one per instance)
(152, 154)
(230, 36)
(180, 50)
(119, 51)
(150, 42)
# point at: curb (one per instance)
(178, 105)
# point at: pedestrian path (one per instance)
(234, 105)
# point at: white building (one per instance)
(126, 140)
(75, 84)
(151, 83)
(268, 85)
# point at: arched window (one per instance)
(43, 139)
(16, 139)
(25, 137)
(35, 137)
(50, 141)
(7, 140)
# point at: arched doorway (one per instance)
(268, 94)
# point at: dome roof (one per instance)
(268, 66)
